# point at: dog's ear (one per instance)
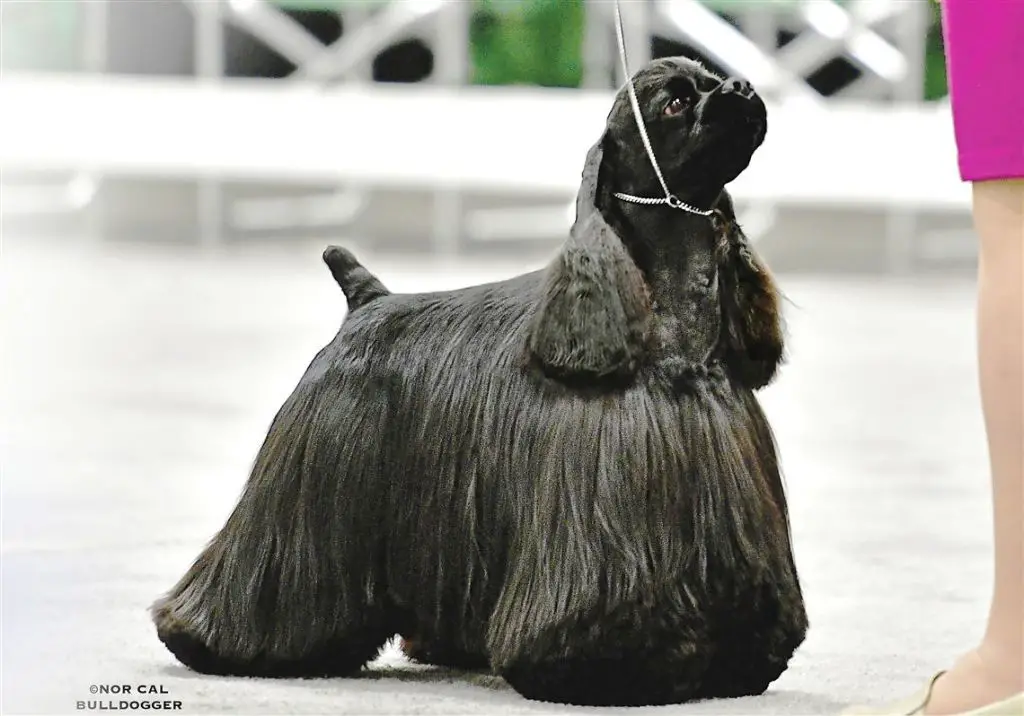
(592, 316)
(752, 345)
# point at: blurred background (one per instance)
(858, 172)
(171, 170)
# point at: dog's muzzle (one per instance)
(736, 105)
(738, 87)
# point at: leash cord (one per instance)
(670, 199)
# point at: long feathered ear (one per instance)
(752, 346)
(593, 310)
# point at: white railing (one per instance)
(885, 38)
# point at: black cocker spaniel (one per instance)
(565, 477)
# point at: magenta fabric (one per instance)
(984, 42)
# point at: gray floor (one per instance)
(137, 383)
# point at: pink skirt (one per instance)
(984, 42)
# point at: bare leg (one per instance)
(995, 669)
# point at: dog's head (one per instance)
(595, 314)
(703, 130)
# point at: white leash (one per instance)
(670, 199)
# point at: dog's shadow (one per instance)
(389, 666)
(390, 679)
(772, 702)
(381, 678)
(436, 675)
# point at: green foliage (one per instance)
(538, 42)
(935, 81)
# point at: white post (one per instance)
(451, 69)
(209, 60)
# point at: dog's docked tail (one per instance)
(359, 285)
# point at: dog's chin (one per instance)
(721, 156)
(741, 133)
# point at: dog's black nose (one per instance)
(735, 85)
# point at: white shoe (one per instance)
(1013, 706)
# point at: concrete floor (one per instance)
(138, 381)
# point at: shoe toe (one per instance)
(904, 707)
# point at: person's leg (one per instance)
(984, 44)
(984, 51)
(995, 670)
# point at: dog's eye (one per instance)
(677, 106)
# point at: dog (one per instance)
(564, 477)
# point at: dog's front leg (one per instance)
(637, 653)
(594, 609)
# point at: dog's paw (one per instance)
(185, 646)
